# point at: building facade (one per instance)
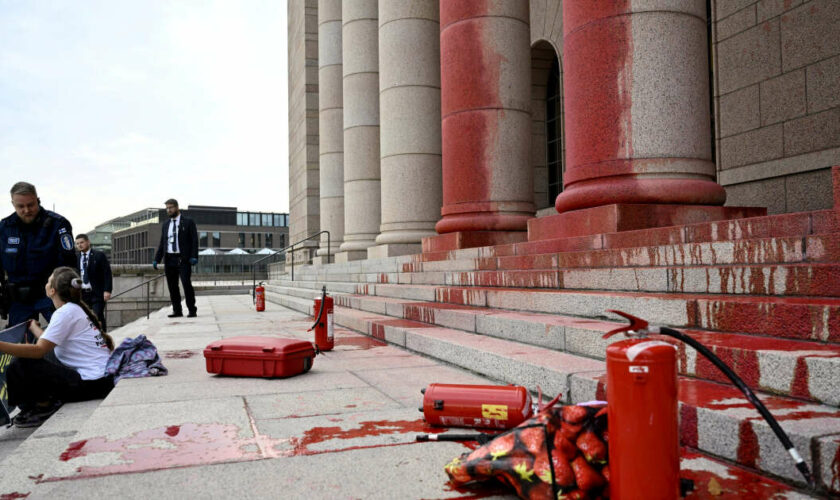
(220, 228)
(413, 120)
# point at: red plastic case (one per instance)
(259, 357)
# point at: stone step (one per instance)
(817, 248)
(796, 225)
(799, 279)
(715, 418)
(803, 369)
(800, 318)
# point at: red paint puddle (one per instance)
(13, 495)
(373, 428)
(359, 341)
(168, 447)
(737, 485)
(184, 354)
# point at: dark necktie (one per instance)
(85, 268)
(174, 236)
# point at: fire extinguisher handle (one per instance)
(321, 309)
(750, 395)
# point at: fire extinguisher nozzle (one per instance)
(423, 391)
(420, 409)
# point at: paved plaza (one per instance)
(346, 429)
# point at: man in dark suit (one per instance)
(97, 282)
(178, 250)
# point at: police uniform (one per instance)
(28, 255)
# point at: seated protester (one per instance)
(39, 387)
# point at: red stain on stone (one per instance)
(748, 447)
(184, 354)
(73, 450)
(688, 426)
(163, 448)
(736, 483)
(366, 429)
(360, 342)
(799, 386)
(13, 495)
(835, 470)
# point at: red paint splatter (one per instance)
(799, 386)
(183, 354)
(73, 450)
(173, 430)
(748, 447)
(366, 429)
(688, 426)
(736, 483)
(835, 470)
(360, 342)
(13, 495)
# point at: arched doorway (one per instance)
(548, 146)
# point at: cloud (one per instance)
(111, 107)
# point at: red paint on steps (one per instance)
(748, 448)
(688, 426)
(736, 484)
(366, 429)
(799, 386)
(173, 430)
(360, 342)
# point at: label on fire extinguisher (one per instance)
(638, 369)
(330, 326)
(498, 412)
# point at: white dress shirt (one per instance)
(172, 245)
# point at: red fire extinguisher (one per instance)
(324, 325)
(485, 406)
(642, 416)
(642, 412)
(259, 295)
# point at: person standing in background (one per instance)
(178, 250)
(97, 281)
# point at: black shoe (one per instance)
(192, 315)
(176, 315)
(36, 416)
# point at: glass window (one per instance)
(202, 239)
(241, 240)
(553, 132)
(253, 219)
(269, 240)
(253, 240)
(266, 219)
(241, 219)
(217, 239)
(278, 220)
(259, 240)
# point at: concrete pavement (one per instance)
(343, 430)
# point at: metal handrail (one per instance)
(147, 283)
(282, 251)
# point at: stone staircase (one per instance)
(763, 293)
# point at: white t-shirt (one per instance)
(78, 344)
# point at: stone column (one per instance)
(360, 49)
(331, 126)
(636, 83)
(486, 117)
(409, 103)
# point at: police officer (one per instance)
(33, 242)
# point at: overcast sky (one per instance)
(110, 106)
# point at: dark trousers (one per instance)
(21, 311)
(97, 305)
(32, 381)
(176, 266)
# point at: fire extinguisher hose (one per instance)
(321, 309)
(801, 465)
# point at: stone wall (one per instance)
(777, 99)
(304, 193)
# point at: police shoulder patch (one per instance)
(66, 242)
(13, 240)
(62, 230)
